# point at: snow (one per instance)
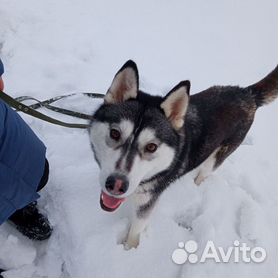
(55, 47)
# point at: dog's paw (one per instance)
(199, 179)
(131, 243)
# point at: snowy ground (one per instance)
(55, 47)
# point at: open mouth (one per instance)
(109, 203)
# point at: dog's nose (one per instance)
(117, 184)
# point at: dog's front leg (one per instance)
(137, 226)
(142, 210)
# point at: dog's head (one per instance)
(134, 135)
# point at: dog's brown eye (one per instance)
(151, 148)
(115, 134)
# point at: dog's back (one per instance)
(223, 115)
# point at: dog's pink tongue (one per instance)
(110, 201)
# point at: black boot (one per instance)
(31, 223)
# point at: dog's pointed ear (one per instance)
(124, 85)
(175, 104)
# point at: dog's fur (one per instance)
(201, 130)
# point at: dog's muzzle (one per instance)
(116, 185)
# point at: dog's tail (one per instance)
(266, 90)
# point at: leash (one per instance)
(17, 104)
(46, 104)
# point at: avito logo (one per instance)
(236, 253)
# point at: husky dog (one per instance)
(142, 143)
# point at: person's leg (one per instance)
(44, 178)
(28, 220)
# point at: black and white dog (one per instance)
(143, 143)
